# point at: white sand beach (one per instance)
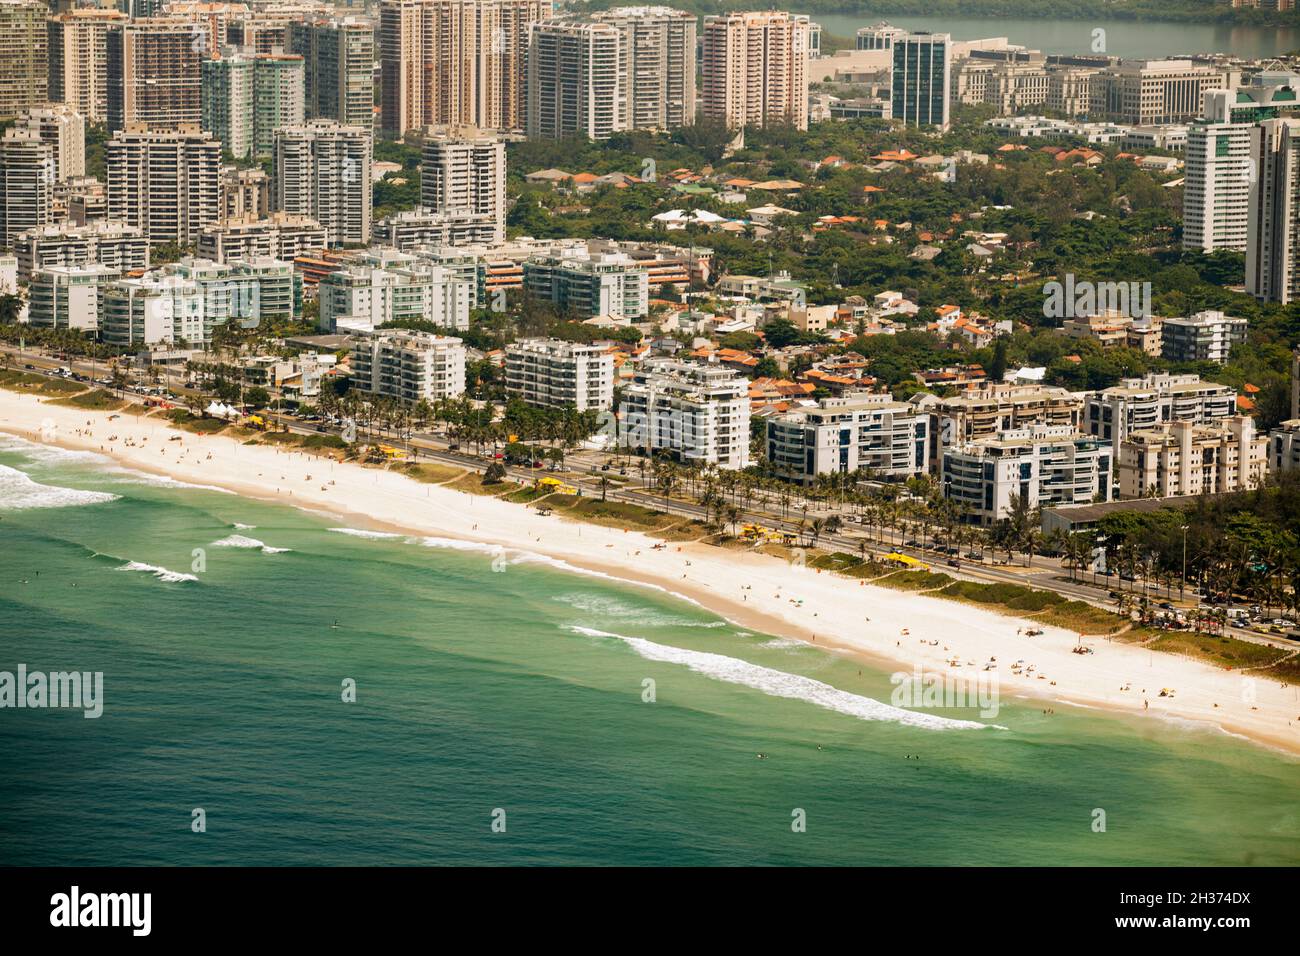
(894, 630)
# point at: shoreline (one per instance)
(753, 591)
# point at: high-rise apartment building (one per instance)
(754, 69)
(27, 176)
(659, 63)
(24, 56)
(65, 130)
(322, 171)
(247, 97)
(1220, 169)
(577, 75)
(1273, 247)
(340, 59)
(153, 74)
(78, 50)
(857, 431)
(921, 80)
(455, 62)
(166, 182)
(463, 183)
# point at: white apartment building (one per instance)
(1220, 171)
(1139, 404)
(116, 245)
(697, 413)
(1203, 337)
(660, 64)
(411, 366)
(151, 310)
(463, 186)
(27, 175)
(1043, 465)
(363, 296)
(166, 182)
(611, 284)
(550, 373)
(278, 236)
(65, 130)
(577, 80)
(322, 171)
(1272, 251)
(68, 297)
(858, 430)
(1284, 446)
(754, 69)
(1186, 459)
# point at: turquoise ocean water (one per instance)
(519, 691)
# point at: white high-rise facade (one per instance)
(322, 171)
(166, 182)
(1273, 244)
(659, 64)
(463, 184)
(1220, 169)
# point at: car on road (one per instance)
(954, 563)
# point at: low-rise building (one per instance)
(597, 285)
(363, 296)
(116, 245)
(1182, 458)
(1204, 337)
(550, 373)
(698, 413)
(1041, 464)
(68, 297)
(992, 408)
(410, 366)
(280, 236)
(858, 431)
(1137, 404)
(1284, 446)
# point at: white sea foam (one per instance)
(359, 533)
(18, 492)
(780, 684)
(131, 476)
(782, 643)
(163, 574)
(612, 607)
(46, 454)
(242, 541)
(243, 527)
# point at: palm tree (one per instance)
(733, 518)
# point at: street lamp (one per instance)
(1182, 584)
